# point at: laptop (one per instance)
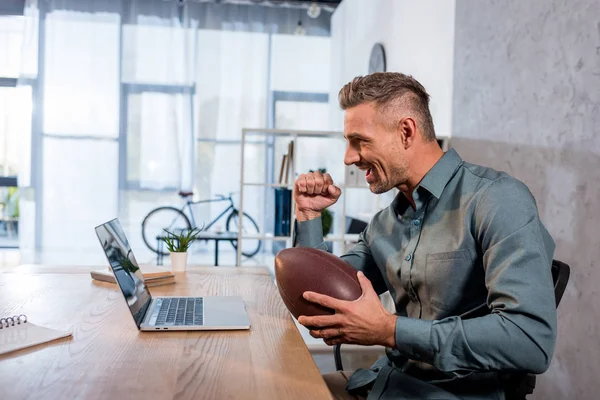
(165, 313)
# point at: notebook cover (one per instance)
(25, 335)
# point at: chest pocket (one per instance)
(447, 279)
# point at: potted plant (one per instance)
(178, 244)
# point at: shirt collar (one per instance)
(436, 179)
(433, 183)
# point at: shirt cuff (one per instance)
(413, 338)
(309, 233)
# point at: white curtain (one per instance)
(138, 99)
(232, 75)
(159, 65)
(80, 120)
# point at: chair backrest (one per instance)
(560, 276)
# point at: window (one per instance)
(15, 126)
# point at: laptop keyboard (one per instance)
(177, 311)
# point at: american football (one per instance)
(302, 269)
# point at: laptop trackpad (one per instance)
(225, 311)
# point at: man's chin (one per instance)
(378, 188)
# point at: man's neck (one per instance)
(417, 171)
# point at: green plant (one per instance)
(326, 216)
(179, 243)
(326, 221)
(12, 202)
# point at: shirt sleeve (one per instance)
(519, 334)
(310, 234)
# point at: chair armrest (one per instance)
(337, 357)
(518, 386)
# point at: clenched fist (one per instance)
(314, 192)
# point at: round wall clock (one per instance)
(377, 59)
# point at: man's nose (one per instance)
(351, 156)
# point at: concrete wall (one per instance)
(527, 101)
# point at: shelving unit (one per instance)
(268, 138)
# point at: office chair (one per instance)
(518, 386)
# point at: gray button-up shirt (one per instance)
(470, 273)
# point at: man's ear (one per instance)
(407, 128)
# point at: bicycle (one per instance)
(175, 219)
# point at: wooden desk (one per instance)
(108, 358)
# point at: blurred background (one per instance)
(111, 108)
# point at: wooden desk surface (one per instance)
(107, 357)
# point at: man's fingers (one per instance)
(310, 184)
(334, 341)
(329, 333)
(325, 301)
(365, 284)
(320, 321)
(334, 191)
(326, 182)
(318, 182)
(301, 183)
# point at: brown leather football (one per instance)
(302, 269)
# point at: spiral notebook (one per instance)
(17, 333)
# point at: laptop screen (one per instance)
(125, 268)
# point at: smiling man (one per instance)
(461, 249)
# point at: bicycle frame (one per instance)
(190, 203)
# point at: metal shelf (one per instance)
(266, 237)
(329, 238)
(275, 185)
(290, 133)
(349, 237)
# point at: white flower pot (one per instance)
(179, 261)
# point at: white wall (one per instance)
(300, 64)
(418, 37)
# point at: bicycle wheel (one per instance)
(249, 246)
(169, 218)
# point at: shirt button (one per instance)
(417, 222)
(417, 356)
(408, 257)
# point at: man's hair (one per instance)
(390, 91)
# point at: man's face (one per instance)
(374, 148)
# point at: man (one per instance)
(461, 249)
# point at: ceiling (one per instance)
(328, 5)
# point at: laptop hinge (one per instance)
(144, 312)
